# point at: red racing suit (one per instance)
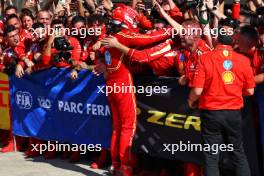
(163, 58)
(123, 104)
(192, 60)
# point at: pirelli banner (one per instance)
(168, 128)
(4, 102)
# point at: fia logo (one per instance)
(24, 100)
(44, 103)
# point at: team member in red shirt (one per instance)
(221, 79)
(50, 52)
(8, 63)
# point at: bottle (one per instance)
(236, 9)
(108, 59)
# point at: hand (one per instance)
(19, 71)
(192, 104)
(29, 63)
(29, 70)
(92, 56)
(74, 74)
(183, 80)
(209, 4)
(159, 8)
(97, 46)
(110, 42)
(99, 68)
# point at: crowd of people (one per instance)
(119, 40)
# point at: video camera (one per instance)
(63, 46)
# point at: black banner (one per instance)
(165, 119)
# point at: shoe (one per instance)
(75, 157)
(31, 152)
(8, 146)
(126, 170)
(102, 161)
(50, 154)
(65, 155)
(164, 172)
(192, 170)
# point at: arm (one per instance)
(142, 56)
(140, 40)
(80, 7)
(170, 20)
(194, 96)
(249, 82)
(259, 78)
(46, 57)
(198, 83)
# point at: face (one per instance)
(69, 20)
(245, 44)
(15, 22)
(10, 12)
(27, 22)
(158, 26)
(44, 18)
(189, 39)
(13, 38)
(243, 21)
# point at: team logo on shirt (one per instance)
(226, 53)
(228, 77)
(227, 64)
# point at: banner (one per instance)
(49, 105)
(4, 102)
(260, 96)
(164, 119)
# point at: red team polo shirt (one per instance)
(223, 74)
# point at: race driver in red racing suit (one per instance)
(123, 104)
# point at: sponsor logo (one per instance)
(228, 77)
(228, 64)
(24, 100)
(44, 103)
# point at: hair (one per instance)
(11, 17)
(96, 18)
(224, 38)
(249, 32)
(10, 7)
(57, 21)
(46, 11)
(192, 23)
(26, 13)
(160, 21)
(9, 28)
(38, 25)
(77, 19)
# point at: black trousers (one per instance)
(218, 126)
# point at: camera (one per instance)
(63, 46)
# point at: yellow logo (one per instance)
(226, 53)
(228, 77)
